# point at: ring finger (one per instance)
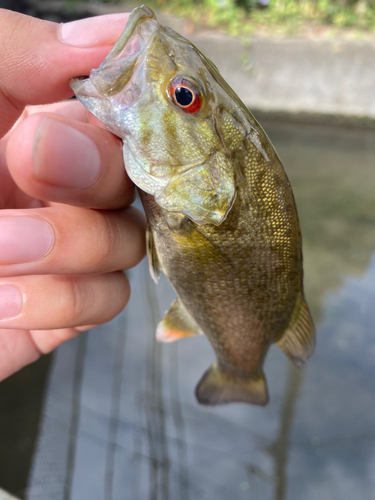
(68, 301)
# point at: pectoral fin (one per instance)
(153, 260)
(298, 340)
(218, 388)
(177, 324)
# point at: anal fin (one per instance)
(153, 260)
(177, 324)
(298, 340)
(218, 388)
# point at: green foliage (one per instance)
(284, 16)
(243, 17)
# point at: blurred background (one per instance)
(112, 415)
(235, 16)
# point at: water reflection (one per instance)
(127, 426)
(334, 433)
(280, 448)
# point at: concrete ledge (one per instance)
(327, 77)
(350, 122)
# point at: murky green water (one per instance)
(329, 408)
(120, 420)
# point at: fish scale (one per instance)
(222, 221)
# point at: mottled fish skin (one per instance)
(223, 225)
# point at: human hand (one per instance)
(66, 230)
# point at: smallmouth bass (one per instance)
(222, 222)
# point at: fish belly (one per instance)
(230, 293)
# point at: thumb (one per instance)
(38, 58)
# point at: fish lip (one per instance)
(77, 84)
(116, 70)
(137, 16)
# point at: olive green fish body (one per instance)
(240, 281)
(223, 225)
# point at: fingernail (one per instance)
(10, 301)
(63, 156)
(23, 239)
(94, 31)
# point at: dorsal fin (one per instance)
(177, 324)
(298, 340)
(153, 260)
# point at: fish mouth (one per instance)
(118, 67)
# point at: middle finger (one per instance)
(68, 240)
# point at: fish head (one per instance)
(158, 93)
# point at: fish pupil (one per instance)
(184, 96)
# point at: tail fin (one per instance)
(218, 388)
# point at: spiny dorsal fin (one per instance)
(298, 340)
(177, 324)
(219, 388)
(153, 261)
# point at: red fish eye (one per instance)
(185, 94)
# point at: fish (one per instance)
(222, 220)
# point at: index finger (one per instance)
(38, 58)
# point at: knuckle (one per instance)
(123, 287)
(15, 31)
(92, 300)
(6, 97)
(108, 234)
(73, 300)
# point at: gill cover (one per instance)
(169, 153)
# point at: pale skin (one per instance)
(66, 227)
